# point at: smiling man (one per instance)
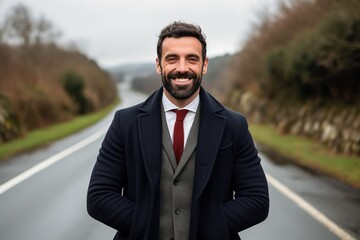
(181, 65)
(179, 165)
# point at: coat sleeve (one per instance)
(105, 201)
(251, 202)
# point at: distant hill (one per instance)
(146, 80)
(217, 66)
(134, 69)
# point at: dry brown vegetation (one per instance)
(310, 49)
(299, 71)
(32, 71)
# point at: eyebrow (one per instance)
(193, 55)
(187, 56)
(171, 55)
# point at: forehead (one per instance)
(182, 45)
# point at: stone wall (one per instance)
(336, 126)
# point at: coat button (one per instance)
(177, 211)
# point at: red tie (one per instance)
(178, 142)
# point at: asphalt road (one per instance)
(49, 200)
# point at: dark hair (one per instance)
(181, 29)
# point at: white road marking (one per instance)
(312, 211)
(50, 161)
(316, 214)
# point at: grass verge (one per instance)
(41, 137)
(309, 154)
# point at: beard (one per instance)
(181, 92)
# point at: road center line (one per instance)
(312, 211)
(50, 161)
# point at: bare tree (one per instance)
(19, 27)
(42, 27)
(2, 32)
(20, 24)
(2, 28)
(45, 32)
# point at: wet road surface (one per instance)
(51, 203)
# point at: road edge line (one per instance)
(50, 161)
(307, 207)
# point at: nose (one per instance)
(182, 66)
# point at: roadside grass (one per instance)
(41, 137)
(308, 153)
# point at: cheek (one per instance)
(197, 70)
(168, 69)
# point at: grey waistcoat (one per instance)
(176, 184)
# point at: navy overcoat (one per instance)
(230, 191)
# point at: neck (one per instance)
(180, 103)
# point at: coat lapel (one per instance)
(149, 128)
(211, 129)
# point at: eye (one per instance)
(193, 59)
(171, 59)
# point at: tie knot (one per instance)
(180, 114)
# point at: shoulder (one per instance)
(236, 122)
(211, 104)
(129, 112)
(126, 115)
(151, 104)
(233, 115)
(124, 119)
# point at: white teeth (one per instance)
(182, 79)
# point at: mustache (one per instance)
(188, 75)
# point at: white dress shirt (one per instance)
(171, 116)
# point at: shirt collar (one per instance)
(168, 105)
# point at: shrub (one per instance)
(74, 86)
(319, 62)
(9, 126)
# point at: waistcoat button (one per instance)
(177, 211)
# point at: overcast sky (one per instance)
(117, 32)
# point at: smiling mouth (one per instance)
(182, 80)
(181, 77)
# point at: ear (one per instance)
(158, 67)
(205, 65)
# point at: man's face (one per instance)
(181, 68)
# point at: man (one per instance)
(162, 173)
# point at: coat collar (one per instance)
(149, 128)
(208, 102)
(211, 129)
(152, 103)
